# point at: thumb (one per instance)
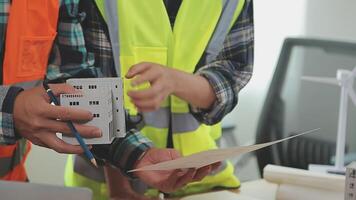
(137, 69)
(174, 154)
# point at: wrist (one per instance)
(138, 162)
(12, 99)
(174, 77)
(180, 82)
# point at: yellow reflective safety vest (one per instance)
(140, 31)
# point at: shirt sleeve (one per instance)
(231, 70)
(124, 152)
(7, 100)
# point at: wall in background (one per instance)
(331, 19)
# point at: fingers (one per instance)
(53, 142)
(192, 175)
(148, 75)
(62, 127)
(205, 171)
(174, 154)
(149, 93)
(62, 89)
(160, 79)
(148, 100)
(137, 69)
(177, 179)
(202, 172)
(215, 166)
(67, 114)
(183, 180)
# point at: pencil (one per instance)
(74, 131)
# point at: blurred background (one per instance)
(274, 21)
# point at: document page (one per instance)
(205, 158)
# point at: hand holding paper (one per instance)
(206, 158)
(169, 180)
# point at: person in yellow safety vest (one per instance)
(185, 63)
(28, 30)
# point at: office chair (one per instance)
(293, 105)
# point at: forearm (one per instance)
(187, 86)
(231, 70)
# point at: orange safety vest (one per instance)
(12, 161)
(30, 34)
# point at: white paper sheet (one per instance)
(205, 158)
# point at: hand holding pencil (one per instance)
(71, 126)
(36, 120)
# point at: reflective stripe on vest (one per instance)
(30, 33)
(145, 35)
(183, 122)
(222, 29)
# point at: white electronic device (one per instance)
(344, 79)
(103, 97)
